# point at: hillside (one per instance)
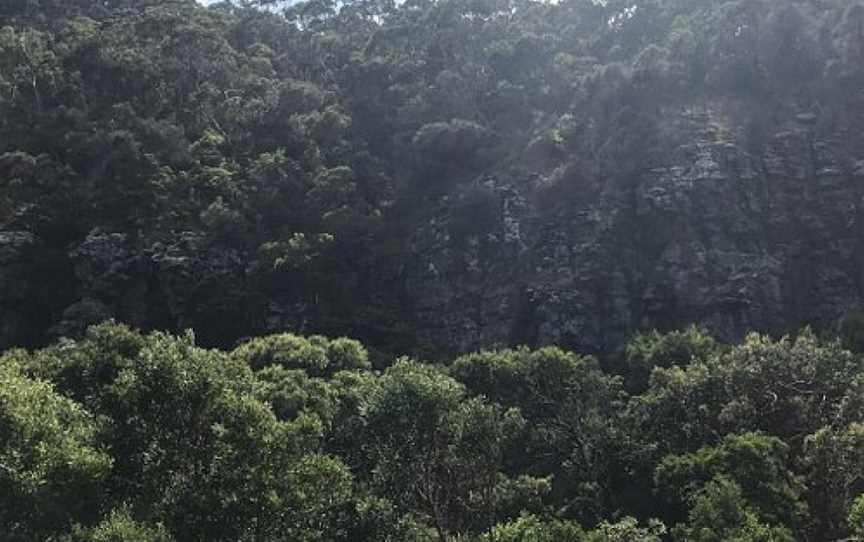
(431, 177)
(432, 271)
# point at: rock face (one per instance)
(16, 248)
(720, 229)
(716, 234)
(177, 284)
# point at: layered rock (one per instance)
(722, 229)
(724, 233)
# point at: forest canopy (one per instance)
(424, 270)
(129, 436)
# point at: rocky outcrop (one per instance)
(177, 283)
(723, 230)
(16, 248)
(727, 234)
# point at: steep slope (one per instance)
(715, 232)
(431, 177)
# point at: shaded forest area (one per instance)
(431, 178)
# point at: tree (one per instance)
(119, 526)
(316, 355)
(192, 447)
(856, 516)
(292, 392)
(572, 411)
(720, 513)
(834, 466)
(627, 530)
(529, 528)
(433, 450)
(788, 388)
(52, 467)
(752, 466)
(653, 349)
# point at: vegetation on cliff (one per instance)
(432, 178)
(422, 175)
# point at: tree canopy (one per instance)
(128, 436)
(265, 272)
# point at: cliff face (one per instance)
(435, 179)
(718, 230)
(715, 233)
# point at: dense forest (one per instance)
(198, 204)
(432, 177)
(124, 437)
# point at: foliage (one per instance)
(788, 388)
(571, 408)
(190, 444)
(432, 449)
(128, 436)
(298, 145)
(627, 530)
(316, 355)
(266, 174)
(834, 460)
(119, 526)
(51, 466)
(756, 464)
(856, 516)
(529, 528)
(677, 348)
(719, 513)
